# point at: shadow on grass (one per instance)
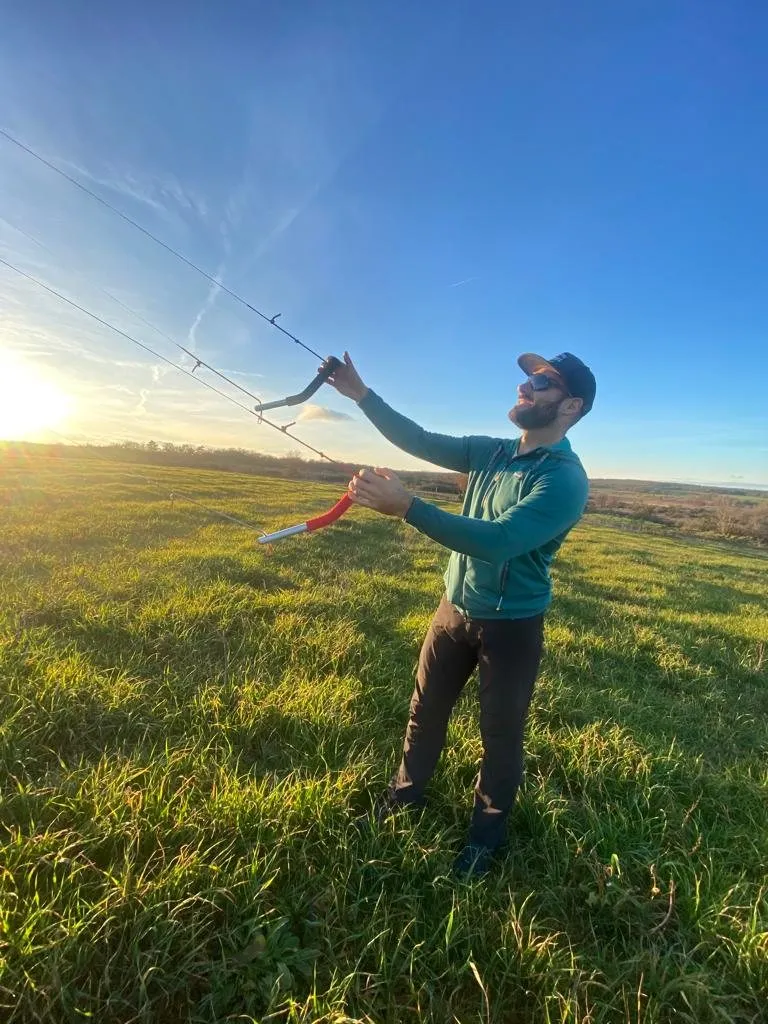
(694, 704)
(202, 569)
(111, 684)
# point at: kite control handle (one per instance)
(317, 523)
(325, 371)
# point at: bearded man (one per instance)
(523, 496)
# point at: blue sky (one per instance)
(435, 187)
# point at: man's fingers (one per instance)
(361, 490)
(367, 478)
(359, 499)
(361, 487)
(367, 482)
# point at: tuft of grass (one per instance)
(189, 723)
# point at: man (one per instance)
(522, 498)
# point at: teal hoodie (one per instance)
(517, 512)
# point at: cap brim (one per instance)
(530, 363)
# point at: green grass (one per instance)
(188, 722)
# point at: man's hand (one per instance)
(347, 381)
(380, 489)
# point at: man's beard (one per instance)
(534, 417)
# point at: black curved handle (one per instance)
(330, 364)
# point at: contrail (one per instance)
(213, 293)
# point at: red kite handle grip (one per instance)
(331, 515)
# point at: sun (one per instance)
(29, 401)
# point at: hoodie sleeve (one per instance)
(555, 503)
(457, 453)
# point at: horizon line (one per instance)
(176, 446)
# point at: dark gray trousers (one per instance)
(507, 653)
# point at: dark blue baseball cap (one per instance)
(578, 377)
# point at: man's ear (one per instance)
(573, 407)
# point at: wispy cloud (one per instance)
(162, 193)
(319, 412)
(213, 293)
(238, 373)
(458, 284)
(141, 405)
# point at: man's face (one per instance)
(537, 409)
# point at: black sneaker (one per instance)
(474, 861)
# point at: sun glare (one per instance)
(29, 402)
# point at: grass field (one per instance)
(188, 722)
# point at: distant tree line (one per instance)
(704, 511)
(292, 466)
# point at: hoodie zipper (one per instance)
(504, 574)
(498, 450)
(505, 567)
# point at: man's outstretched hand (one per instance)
(346, 380)
(380, 489)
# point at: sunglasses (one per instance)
(541, 382)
